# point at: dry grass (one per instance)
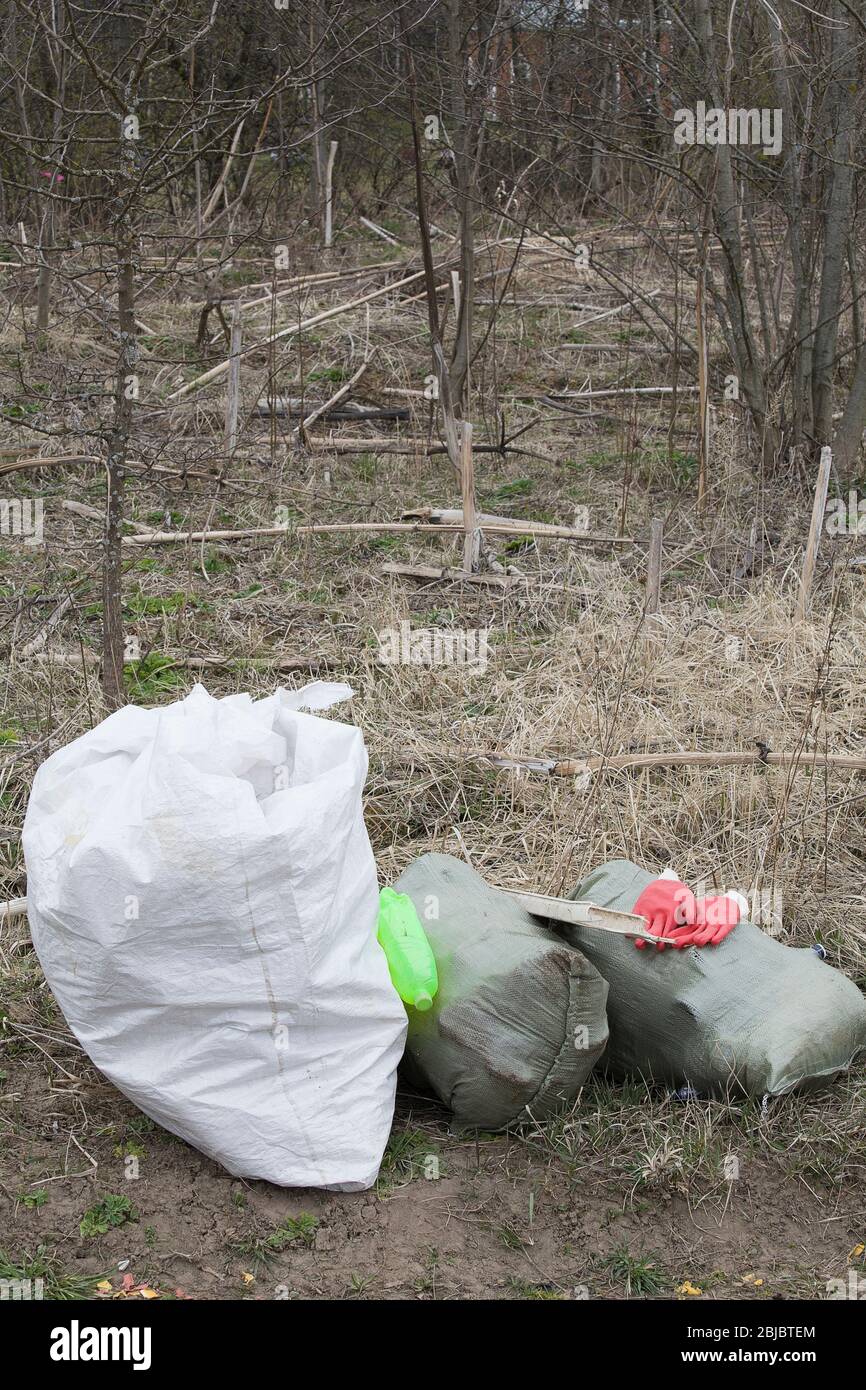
(573, 667)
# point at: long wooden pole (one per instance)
(819, 506)
(471, 539)
(329, 194)
(543, 531)
(575, 767)
(654, 566)
(233, 400)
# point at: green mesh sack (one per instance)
(750, 1015)
(519, 1020)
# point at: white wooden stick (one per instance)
(329, 404)
(16, 907)
(654, 566)
(220, 183)
(379, 231)
(329, 193)
(582, 914)
(527, 528)
(471, 538)
(234, 392)
(818, 508)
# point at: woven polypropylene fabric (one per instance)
(519, 1020)
(750, 1015)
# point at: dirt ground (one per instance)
(506, 1217)
(627, 1194)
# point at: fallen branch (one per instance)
(41, 637)
(15, 907)
(323, 279)
(72, 660)
(430, 575)
(412, 448)
(94, 514)
(597, 762)
(653, 348)
(338, 395)
(453, 516)
(608, 313)
(516, 528)
(220, 183)
(260, 663)
(618, 391)
(17, 465)
(222, 367)
(380, 231)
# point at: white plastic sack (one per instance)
(203, 899)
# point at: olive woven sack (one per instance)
(750, 1015)
(519, 1020)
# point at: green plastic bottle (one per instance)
(410, 960)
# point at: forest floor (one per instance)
(626, 1195)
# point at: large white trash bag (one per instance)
(203, 899)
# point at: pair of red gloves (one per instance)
(679, 919)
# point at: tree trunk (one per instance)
(849, 435)
(836, 230)
(465, 172)
(728, 230)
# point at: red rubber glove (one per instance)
(670, 909)
(716, 918)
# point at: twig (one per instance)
(42, 637)
(94, 514)
(17, 465)
(617, 391)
